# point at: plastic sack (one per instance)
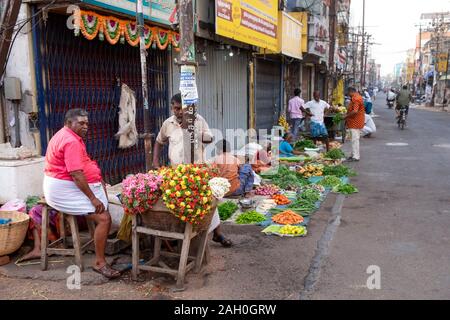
(14, 205)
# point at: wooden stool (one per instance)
(48, 249)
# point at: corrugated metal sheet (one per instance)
(222, 87)
(267, 93)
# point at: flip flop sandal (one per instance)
(223, 241)
(107, 271)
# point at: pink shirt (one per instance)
(294, 107)
(66, 152)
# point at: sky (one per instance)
(391, 22)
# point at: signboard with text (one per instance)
(253, 22)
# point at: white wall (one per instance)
(20, 65)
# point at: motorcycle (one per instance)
(390, 104)
(402, 118)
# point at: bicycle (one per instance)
(402, 118)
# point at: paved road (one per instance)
(400, 220)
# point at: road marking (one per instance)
(442, 145)
(397, 144)
(322, 250)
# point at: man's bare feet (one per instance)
(33, 254)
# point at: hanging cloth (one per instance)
(127, 134)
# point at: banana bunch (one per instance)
(283, 123)
(342, 109)
(293, 230)
(311, 170)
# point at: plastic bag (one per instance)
(15, 205)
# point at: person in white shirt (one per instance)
(369, 127)
(316, 110)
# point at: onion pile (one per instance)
(267, 190)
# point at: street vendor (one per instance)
(262, 160)
(316, 110)
(73, 183)
(172, 133)
(286, 148)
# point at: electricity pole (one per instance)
(187, 62)
(143, 53)
(331, 57)
(362, 48)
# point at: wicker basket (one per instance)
(13, 234)
(160, 218)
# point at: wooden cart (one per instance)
(163, 225)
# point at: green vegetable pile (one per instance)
(338, 171)
(250, 217)
(287, 179)
(310, 195)
(330, 181)
(337, 119)
(334, 154)
(345, 189)
(301, 145)
(227, 209)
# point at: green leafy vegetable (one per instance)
(330, 181)
(345, 188)
(250, 217)
(310, 195)
(339, 171)
(287, 179)
(337, 119)
(334, 154)
(227, 209)
(301, 145)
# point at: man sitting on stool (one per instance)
(73, 183)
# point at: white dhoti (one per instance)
(215, 221)
(65, 196)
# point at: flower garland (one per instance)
(140, 192)
(186, 191)
(113, 29)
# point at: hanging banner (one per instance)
(250, 21)
(160, 11)
(319, 37)
(188, 86)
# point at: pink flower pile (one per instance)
(140, 192)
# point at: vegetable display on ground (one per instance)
(267, 190)
(334, 154)
(345, 188)
(311, 170)
(293, 230)
(227, 209)
(338, 171)
(287, 217)
(281, 199)
(301, 145)
(330, 181)
(250, 217)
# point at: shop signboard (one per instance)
(254, 22)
